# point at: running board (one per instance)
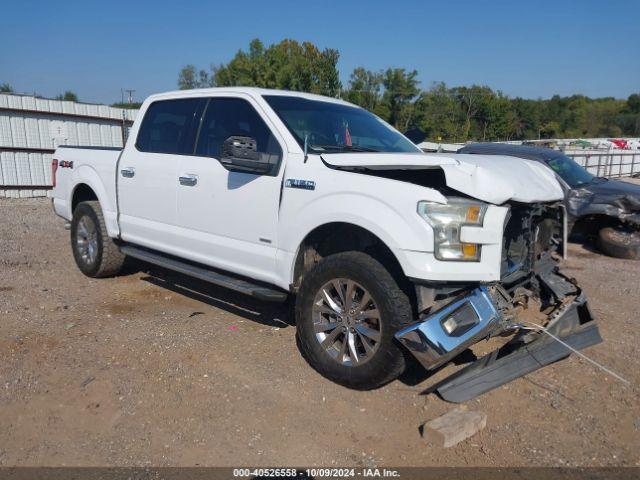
(261, 292)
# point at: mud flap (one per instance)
(574, 325)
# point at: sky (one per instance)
(532, 49)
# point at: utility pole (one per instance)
(130, 93)
(124, 113)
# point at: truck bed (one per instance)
(96, 166)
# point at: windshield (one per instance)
(332, 127)
(570, 171)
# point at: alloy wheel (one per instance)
(346, 322)
(87, 240)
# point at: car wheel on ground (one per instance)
(94, 251)
(620, 242)
(348, 309)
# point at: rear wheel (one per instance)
(94, 251)
(348, 310)
(619, 242)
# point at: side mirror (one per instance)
(240, 154)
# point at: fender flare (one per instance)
(87, 175)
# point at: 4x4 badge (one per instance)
(304, 184)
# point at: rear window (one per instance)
(168, 127)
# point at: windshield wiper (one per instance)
(344, 148)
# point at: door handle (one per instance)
(128, 172)
(188, 180)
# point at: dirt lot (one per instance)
(152, 369)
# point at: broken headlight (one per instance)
(447, 221)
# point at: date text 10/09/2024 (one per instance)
(316, 473)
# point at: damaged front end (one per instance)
(532, 295)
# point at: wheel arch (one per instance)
(336, 237)
(82, 192)
(88, 185)
(590, 224)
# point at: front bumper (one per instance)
(431, 344)
(429, 341)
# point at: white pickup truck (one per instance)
(386, 250)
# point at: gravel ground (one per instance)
(150, 368)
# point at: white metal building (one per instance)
(31, 128)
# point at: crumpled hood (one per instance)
(490, 178)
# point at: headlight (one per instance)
(447, 220)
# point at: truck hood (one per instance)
(490, 178)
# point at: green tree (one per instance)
(475, 110)
(133, 105)
(400, 90)
(68, 96)
(189, 78)
(6, 88)
(633, 103)
(365, 89)
(526, 119)
(463, 113)
(438, 114)
(287, 65)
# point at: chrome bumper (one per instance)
(433, 345)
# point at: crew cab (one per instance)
(384, 250)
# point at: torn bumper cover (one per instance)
(443, 335)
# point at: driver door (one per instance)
(229, 218)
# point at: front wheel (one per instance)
(348, 310)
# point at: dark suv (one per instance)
(600, 209)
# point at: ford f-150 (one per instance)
(385, 250)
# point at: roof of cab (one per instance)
(252, 91)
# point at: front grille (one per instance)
(530, 230)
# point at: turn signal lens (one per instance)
(469, 251)
(473, 214)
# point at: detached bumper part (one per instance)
(451, 330)
(446, 333)
(574, 325)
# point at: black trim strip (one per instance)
(26, 150)
(26, 187)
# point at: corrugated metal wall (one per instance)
(31, 128)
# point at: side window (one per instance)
(168, 126)
(226, 117)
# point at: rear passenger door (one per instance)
(230, 218)
(147, 176)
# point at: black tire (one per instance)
(107, 260)
(395, 312)
(619, 243)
